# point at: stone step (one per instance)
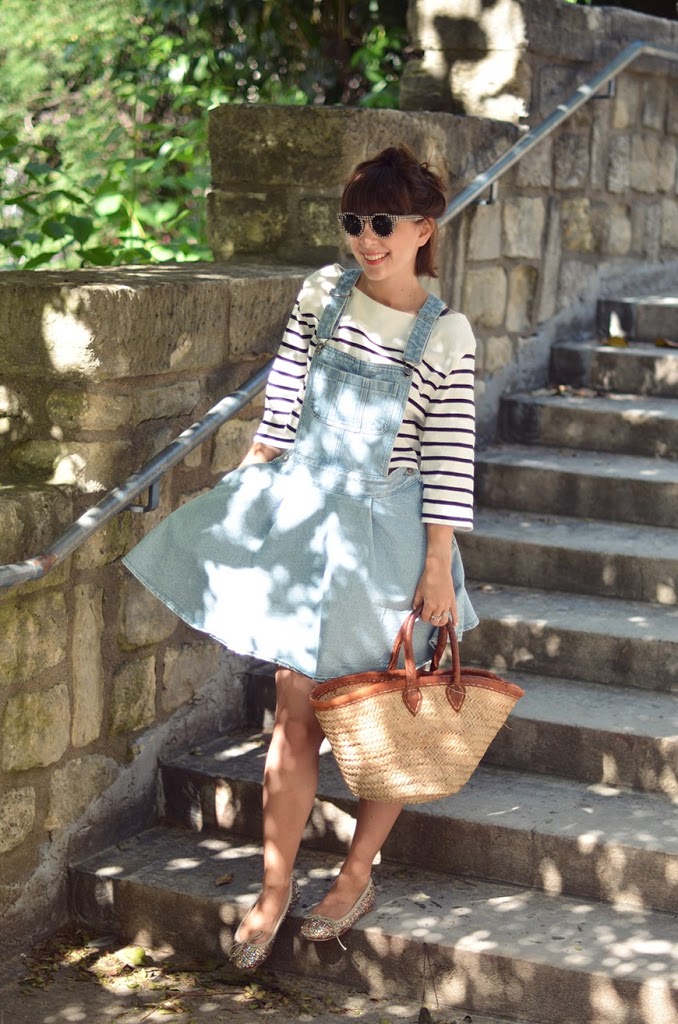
(573, 636)
(561, 481)
(636, 369)
(558, 835)
(626, 560)
(627, 424)
(491, 947)
(564, 727)
(593, 733)
(643, 318)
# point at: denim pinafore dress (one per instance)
(311, 561)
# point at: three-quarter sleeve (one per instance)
(448, 445)
(286, 382)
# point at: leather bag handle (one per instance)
(411, 694)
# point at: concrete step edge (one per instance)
(503, 824)
(492, 947)
(573, 533)
(581, 461)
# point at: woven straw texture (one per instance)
(388, 752)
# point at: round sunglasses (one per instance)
(381, 224)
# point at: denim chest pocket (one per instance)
(351, 402)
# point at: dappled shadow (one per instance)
(490, 947)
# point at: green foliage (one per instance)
(103, 147)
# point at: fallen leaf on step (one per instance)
(132, 956)
(223, 879)
(665, 343)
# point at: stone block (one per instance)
(33, 635)
(73, 787)
(17, 814)
(110, 542)
(575, 282)
(317, 224)
(669, 223)
(600, 138)
(88, 665)
(653, 95)
(571, 160)
(484, 296)
(555, 83)
(143, 618)
(31, 518)
(245, 222)
(523, 221)
(653, 230)
(178, 399)
(626, 103)
(550, 267)
(535, 169)
(668, 165)
(522, 289)
(73, 408)
(231, 443)
(485, 232)
(645, 152)
(619, 164)
(11, 532)
(613, 229)
(497, 354)
(35, 729)
(90, 466)
(186, 671)
(281, 145)
(133, 696)
(259, 310)
(576, 225)
(672, 113)
(103, 324)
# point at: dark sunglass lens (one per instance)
(382, 225)
(351, 224)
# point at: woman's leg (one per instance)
(374, 822)
(290, 783)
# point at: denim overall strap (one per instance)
(353, 408)
(339, 296)
(421, 331)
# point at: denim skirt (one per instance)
(311, 567)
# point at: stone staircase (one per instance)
(547, 890)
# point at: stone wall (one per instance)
(515, 60)
(99, 371)
(591, 211)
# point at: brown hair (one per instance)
(394, 181)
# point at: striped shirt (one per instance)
(437, 434)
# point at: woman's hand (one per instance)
(260, 453)
(434, 597)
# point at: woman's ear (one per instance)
(426, 229)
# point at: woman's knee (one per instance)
(294, 713)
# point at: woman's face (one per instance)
(392, 257)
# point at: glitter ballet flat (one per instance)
(320, 929)
(247, 956)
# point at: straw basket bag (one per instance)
(408, 735)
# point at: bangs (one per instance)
(376, 189)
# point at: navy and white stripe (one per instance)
(437, 434)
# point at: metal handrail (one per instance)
(120, 498)
(582, 95)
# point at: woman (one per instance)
(341, 517)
